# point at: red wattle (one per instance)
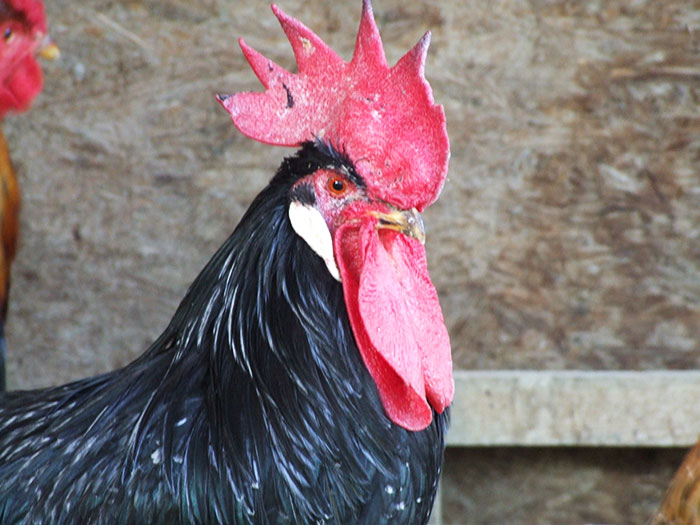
(19, 90)
(397, 321)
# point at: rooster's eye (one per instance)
(7, 34)
(337, 186)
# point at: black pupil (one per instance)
(7, 34)
(338, 185)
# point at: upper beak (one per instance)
(408, 222)
(48, 49)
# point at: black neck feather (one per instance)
(283, 371)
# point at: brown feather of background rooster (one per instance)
(22, 38)
(681, 505)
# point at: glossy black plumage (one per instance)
(253, 406)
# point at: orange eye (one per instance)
(337, 186)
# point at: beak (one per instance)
(48, 49)
(408, 222)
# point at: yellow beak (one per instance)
(48, 49)
(408, 222)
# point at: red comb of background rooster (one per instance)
(23, 24)
(383, 117)
(33, 12)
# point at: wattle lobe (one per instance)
(20, 89)
(397, 321)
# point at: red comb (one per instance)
(33, 11)
(383, 118)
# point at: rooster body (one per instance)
(22, 36)
(188, 433)
(306, 375)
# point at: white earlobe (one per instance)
(310, 225)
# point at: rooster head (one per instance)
(22, 37)
(361, 213)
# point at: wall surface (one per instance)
(567, 236)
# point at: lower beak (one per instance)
(408, 222)
(48, 49)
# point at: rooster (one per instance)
(306, 375)
(681, 505)
(22, 37)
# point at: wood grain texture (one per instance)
(483, 486)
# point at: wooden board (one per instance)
(579, 408)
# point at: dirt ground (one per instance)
(567, 236)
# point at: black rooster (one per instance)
(270, 397)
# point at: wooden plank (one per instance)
(575, 408)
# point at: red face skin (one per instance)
(339, 200)
(392, 305)
(20, 75)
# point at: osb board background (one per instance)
(567, 235)
(499, 486)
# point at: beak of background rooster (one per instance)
(408, 222)
(48, 48)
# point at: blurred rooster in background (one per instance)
(681, 504)
(22, 37)
(306, 375)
